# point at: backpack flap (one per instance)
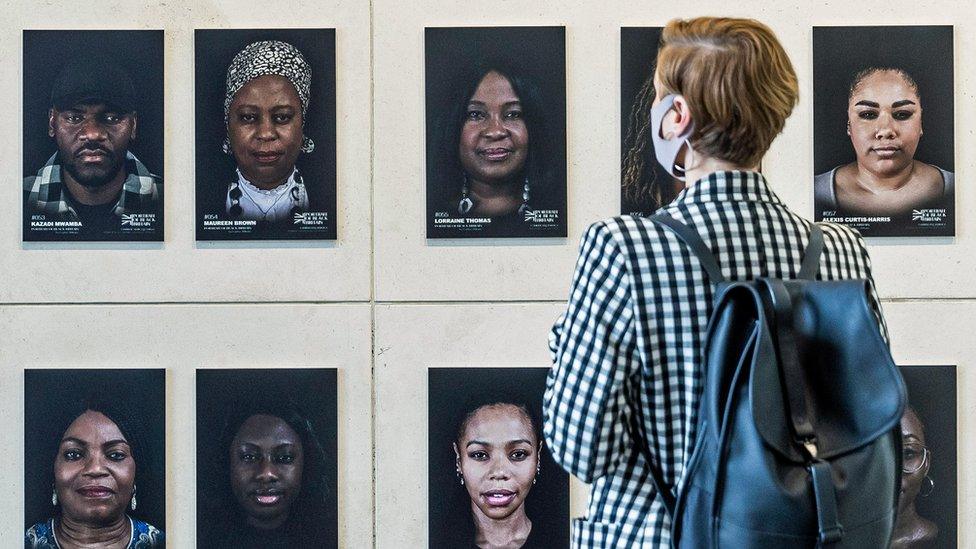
(850, 386)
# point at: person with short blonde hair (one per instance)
(621, 401)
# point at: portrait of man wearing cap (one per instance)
(93, 180)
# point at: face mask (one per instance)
(666, 150)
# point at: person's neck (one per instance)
(699, 166)
(95, 196)
(494, 199)
(270, 185)
(72, 534)
(509, 532)
(878, 183)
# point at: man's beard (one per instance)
(92, 177)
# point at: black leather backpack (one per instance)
(798, 442)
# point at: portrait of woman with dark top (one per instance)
(270, 483)
(492, 481)
(490, 161)
(885, 125)
(97, 464)
(912, 531)
(645, 186)
(495, 162)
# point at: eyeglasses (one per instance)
(913, 457)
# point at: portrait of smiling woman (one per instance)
(495, 127)
(100, 462)
(276, 131)
(492, 482)
(883, 129)
(267, 473)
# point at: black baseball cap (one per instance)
(94, 79)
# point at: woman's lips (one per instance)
(269, 497)
(499, 498)
(95, 492)
(886, 152)
(267, 157)
(495, 154)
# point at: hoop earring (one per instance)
(54, 497)
(525, 197)
(133, 504)
(931, 486)
(465, 204)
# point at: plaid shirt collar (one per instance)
(730, 186)
(140, 189)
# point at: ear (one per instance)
(135, 126)
(457, 454)
(681, 121)
(51, 114)
(848, 127)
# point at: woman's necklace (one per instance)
(264, 212)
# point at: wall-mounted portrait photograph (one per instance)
(267, 472)
(884, 152)
(94, 458)
(491, 480)
(93, 135)
(644, 185)
(496, 131)
(927, 509)
(265, 134)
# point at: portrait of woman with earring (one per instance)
(276, 128)
(912, 531)
(492, 483)
(494, 161)
(95, 468)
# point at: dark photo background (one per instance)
(925, 52)
(50, 396)
(539, 53)
(311, 389)
(214, 50)
(638, 56)
(932, 392)
(452, 394)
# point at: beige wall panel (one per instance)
(527, 269)
(179, 269)
(409, 340)
(181, 339)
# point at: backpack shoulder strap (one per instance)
(691, 239)
(811, 256)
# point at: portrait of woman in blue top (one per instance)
(95, 478)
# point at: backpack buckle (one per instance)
(811, 446)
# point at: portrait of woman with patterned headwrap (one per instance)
(269, 137)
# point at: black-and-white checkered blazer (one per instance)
(626, 353)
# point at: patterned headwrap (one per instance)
(270, 57)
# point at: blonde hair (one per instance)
(737, 79)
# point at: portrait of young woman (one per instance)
(265, 134)
(266, 470)
(491, 481)
(883, 130)
(644, 185)
(927, 509)
(94, 467)
(496, 116)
